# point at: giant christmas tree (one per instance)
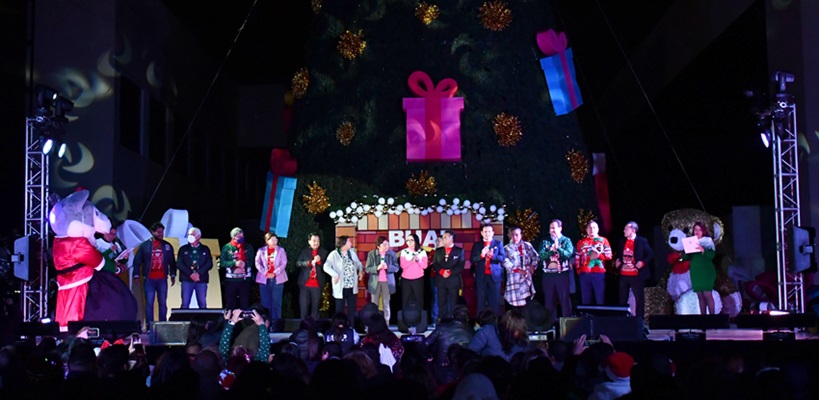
(350, 127)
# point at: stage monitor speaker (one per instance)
(618, 329)
(188, 314)
(169, 333)
(412, 318)
(34, 329)
(679, 322)
(768, 321)
(107, 328)
(603, 311)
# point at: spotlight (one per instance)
(61, 150)
(766, 139)
(48, 144)
(45, 99)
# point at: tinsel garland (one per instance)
(326, 295)
(315, 5)
(316, 202)
(578, 165)
(351, 45)
(345, 133)
(427, 12)
(508, 129)
(583, 219)
(495, 15)
(301, 80)
(424, 184)
(528, 222)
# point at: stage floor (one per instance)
(660, 335)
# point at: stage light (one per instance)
(766, 139)
(48, 144)
(61, 150)
(45, 99)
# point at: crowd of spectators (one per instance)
(489, 358)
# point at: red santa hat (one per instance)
(618, 366)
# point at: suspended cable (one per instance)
(199, 108)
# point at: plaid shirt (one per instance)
(519, 272)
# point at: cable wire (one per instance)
(199, 108)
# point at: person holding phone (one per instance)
(382, 264)
(488, 257)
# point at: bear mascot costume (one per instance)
(677, 225)
(85, 291)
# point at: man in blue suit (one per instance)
(487, 264)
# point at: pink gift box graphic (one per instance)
(433, 120)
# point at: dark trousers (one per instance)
(556, 290)
(237, 294)
(447, 298)
(487, 292)
(412, 289)
(347, 300)
(593, 288)
(636, 285)
(309, 298)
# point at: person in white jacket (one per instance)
(345, 270)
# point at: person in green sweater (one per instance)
(703, 273)
(237, 261)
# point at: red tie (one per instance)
(488, 269)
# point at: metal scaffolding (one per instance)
(786, 199)
(35, 289)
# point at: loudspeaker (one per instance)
(603, 311)
(618, 329)
(34, 329)
(410, 318)
(188, 314)
(107, 328)
(169, 333)
(768, 321)
(701, 322)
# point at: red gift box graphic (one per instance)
(433, 120)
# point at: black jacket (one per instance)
(303, 263)
(446, 334)
(184, 261)
(642, 252)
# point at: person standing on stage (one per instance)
(703, 273)
(633, 264)
(592, 250)
(111, 248)
(413, 263)
(194, 264)
(488, 256)
(555, 254)
(520, 264)
(439, 242)
(235, 258)
(448, 263)
(346, 270)
(311, 276)
(382, 264)
(154, 261)
(271, 264)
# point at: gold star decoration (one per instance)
(583, 218)
(508, 129)
(351, 45)
(495, 15)
(528, 222)
(316, 6)
(578, 165)
(316, 202)
(427, 12)
(422, 185)
(345, 133)
(301, 80)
